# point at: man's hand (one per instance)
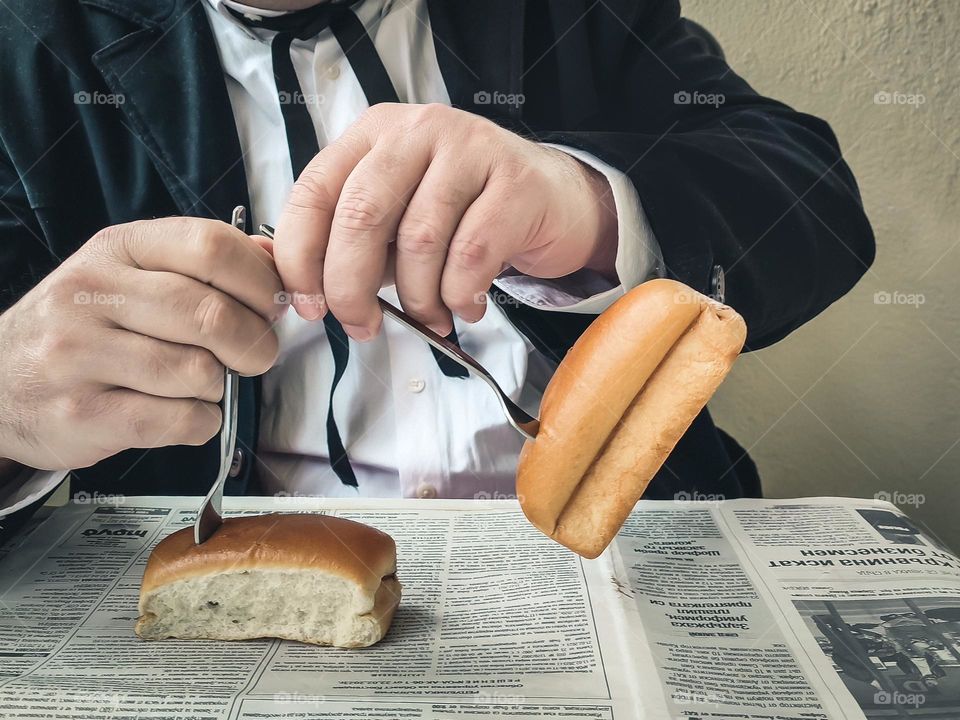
(461, 197)
(124, 344)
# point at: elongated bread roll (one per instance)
(308, 577)
(618, 404)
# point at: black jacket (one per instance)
(745, 183)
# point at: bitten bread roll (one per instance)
(313, 578)
(618, 404)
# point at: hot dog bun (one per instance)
(618, 404)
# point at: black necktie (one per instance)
(303, 146)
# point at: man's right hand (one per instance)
(124, 344)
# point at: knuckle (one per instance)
(377, 114)
(359, 211)
(420, 239)
(470, 253)
(59, 343)
(141, 430)
(422, 307)
(429, 114)
(213, 316)
(203, 368)
(211, 246)
(76, 405)
(311, 193)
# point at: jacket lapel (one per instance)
(176, 104)
(479, 48)
(175, 100)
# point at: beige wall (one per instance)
(865, 398)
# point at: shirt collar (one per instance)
(223, 7)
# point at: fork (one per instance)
(522, 422)
(210, 515)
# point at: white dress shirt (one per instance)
(408, 429)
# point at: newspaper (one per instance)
(768, 610)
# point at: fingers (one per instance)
(153, 367)
(208, 251)
(145, 421)
(368, 213)
(178, 309)
(492, 230)
(303, 231)
(448, 188)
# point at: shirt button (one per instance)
(236, 464)
(426, 491)
(718, 284)
(334, 72)
(416, 385)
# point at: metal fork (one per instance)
(210, 515)
(525, 424)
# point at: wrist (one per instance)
(600, 220)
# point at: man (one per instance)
(502, 169)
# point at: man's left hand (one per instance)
(439, 201)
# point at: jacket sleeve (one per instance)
(24, 255)
(727, 177)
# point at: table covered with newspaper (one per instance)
(761, 609)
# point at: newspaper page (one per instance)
(496, 621)
(773, 610)
(767, 610)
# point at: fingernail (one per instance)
(358, 333)
(441, 330)
(308, 311)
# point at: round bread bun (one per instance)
(308, 577)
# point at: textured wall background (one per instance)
(864, 399)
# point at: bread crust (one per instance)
(617, 406)
(281, 541)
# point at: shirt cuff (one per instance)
(27, 487)
(585, 291)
